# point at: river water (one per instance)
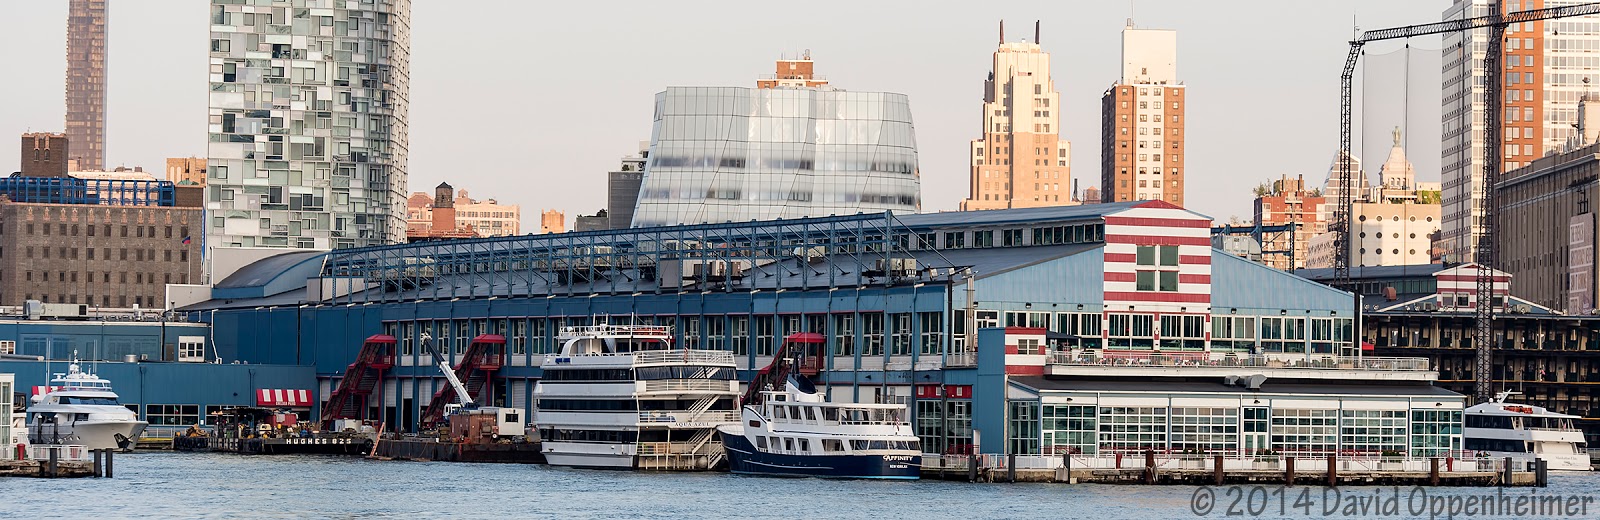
(213, 485)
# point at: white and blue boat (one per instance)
(796, 433)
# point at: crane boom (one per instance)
(462, 397)
(1496, 22)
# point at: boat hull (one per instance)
(95, 435)
(746, 459)
(588, 455)
(1558, 462)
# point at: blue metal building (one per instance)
(890, 292)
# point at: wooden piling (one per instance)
(108, 462)
(1333, 471)
(1217, 472)
(1433, 471)
(1011, 467)
(97, 459)
(1288, 471)
(1505, 476)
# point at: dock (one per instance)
(424, 449)
(1166, 469)
(61, 461)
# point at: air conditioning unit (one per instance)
(1521, 308)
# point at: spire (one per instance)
(1035, 32)
(1002, 32)
(1397, 136)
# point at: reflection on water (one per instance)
(188, 485)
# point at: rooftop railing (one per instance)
(1229, 360)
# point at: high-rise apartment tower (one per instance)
(1020, 162)
(1141, 121)
(308, 123)
(86, 83)
(1547, 66)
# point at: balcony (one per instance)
(1155, 363)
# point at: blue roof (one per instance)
(271, 275)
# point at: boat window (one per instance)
(755, 424)
(89, 400)
(1502, 445)
(805, 446)
(761, 442)
(831, 414)
(1501, 422)
(778, 412)
(832, 445)
(788, 444)
(811, 413)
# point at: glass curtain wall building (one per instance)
(308, 123)
(721, 154)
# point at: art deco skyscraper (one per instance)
(1141, 126)
(86, 83)
(308, 128)
(1020, 162)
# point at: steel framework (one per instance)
(1485, 257)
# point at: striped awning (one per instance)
(283, 397)
(44, 389)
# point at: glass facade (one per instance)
(308, 123)
(720, 154)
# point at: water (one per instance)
(211, 485)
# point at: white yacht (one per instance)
(1501, 429)
(80, 408)
(624, 397)
(795, 433)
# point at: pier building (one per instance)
(901, 299)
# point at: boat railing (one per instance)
(686, 418)
(961, 359)
(616, 330)
(1159, 359)
(687, 385)
(683, 356)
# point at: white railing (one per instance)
(961, 359)
(1119, 358)
(64, 452)
(687, 385)
(1304, 464)
(683, 356)
(687, 418)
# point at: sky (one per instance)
(532, 102)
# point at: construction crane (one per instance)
(463, 399)
(1496, 23)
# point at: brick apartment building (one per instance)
(106, 243)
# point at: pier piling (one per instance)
(1149, 466)
(1505, 475)
(55, 468)
(1217, 473)
(97, 461)
(1433, 471)
(1011, 467)
(109, 457)
(1288, 471)
(1333, 470)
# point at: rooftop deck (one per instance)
(1297, 365)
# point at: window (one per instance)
(739, 332)
(930, 332)
(1233, 333)
(1204, 429)
(1024, 427)
(1305, 431)
(1373, 431)
(764, 335)
(900, 335)
(871, 334)
(843, 337)
(1435, 432)
(172, 414)
(1133, 428)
